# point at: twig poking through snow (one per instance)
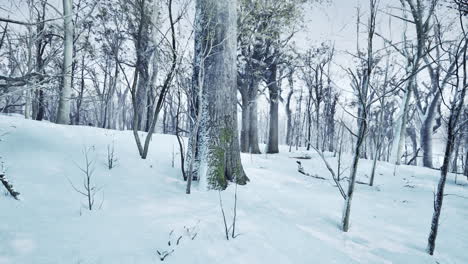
(190, 232)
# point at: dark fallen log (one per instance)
(9, 187)
(301, 170)
(303, 157)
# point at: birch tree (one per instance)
(63, 112)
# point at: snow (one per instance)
(283, 216)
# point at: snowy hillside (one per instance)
(282, 216)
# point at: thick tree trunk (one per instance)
(427, 131)
(218, 145)
(63, 113)
(272, 146)
(249, 131)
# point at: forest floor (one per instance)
(282, 215)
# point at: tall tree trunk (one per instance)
(400, 128)
(331, 124)
(79, 100)
(414, 145)
(27, 104)
(353, 173)
(143, 83)
(439, 197)
(254, 147)
(289, 112)
(249, 131)
(426, 133)
(465, 172)
(217, 143)
(272, 146)
(244, 141)
(63, 113)
(309, 119)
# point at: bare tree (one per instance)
(88, 190)
(143, 148)
(422, 15)
(361, 85)
(459, 88)
(63, 112)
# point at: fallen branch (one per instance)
(9, 187)
(363, 183)
(304, 157)
(456, 195)
(332, 172)
(300, 169)
(414, 157)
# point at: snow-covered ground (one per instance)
(283, 216)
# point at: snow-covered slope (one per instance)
(283, 216)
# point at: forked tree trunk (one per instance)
(249, 131)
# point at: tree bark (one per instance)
(249, 131)
(400, 127)
(217, 143)
(352, 177)
(254, 148)
(289, 112)
(63, 113)
(272, 146)
(245, 143)
(439, 197)
(465, 172)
